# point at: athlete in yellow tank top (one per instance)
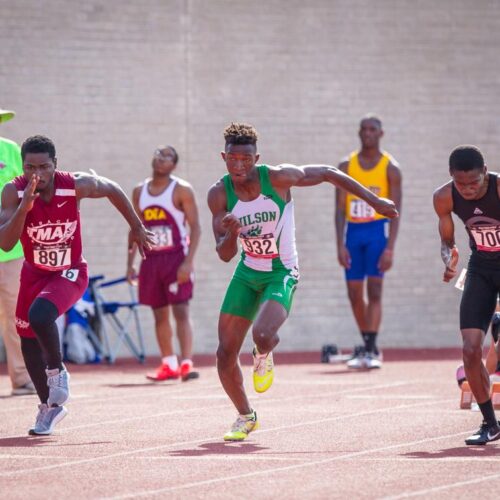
(364, 248)
(375, 179)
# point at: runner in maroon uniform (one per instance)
(41, 209)
(165, 204)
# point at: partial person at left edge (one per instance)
(11, 166)
(41, 208)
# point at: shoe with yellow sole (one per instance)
(242, 427)
(263, 371)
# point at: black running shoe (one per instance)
(484, 435)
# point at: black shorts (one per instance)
(482, 286)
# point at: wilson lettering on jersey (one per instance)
(267, 235)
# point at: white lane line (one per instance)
(448, 486)
(4, 456)
(32, 470)
(230, 457)
(314, 463)
(207, 408)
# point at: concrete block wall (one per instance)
(110, 80)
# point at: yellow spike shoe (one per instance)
(263, 371)
(242, 427)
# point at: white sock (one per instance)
(187, 361)
(171, 361)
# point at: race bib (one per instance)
(360, 211)
(487, 238)
(70, 274)
(52, 259)
(262, 247)
(164, 237)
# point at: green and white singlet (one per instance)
(268, 268)
(267, 235)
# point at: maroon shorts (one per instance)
(158, 285)
(62, 288)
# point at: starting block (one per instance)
(495, 395)
(330, 354)
(467, 398)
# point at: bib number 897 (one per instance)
(51, 259)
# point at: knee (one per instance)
(265, 337)
(226, 357)
(472, 353)
(355, 296)
(41, 314)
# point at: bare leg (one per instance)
(265, 328)
(232, 331)
(184, 329)
(374, 308)
(355, 291)
(163, 331)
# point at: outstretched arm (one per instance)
(226, 227)
(443, 205)
(13, 214)
(396, 195)
(343, 255)
(131, 272)
(96, 186)
(316, 174)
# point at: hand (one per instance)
(385, 261)
(344, 257)
(386, 207)
(142, 237)
(231, 224)
(29, 195)
(184, 272)
(132, 275)
(451, 268)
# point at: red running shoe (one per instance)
(164, 372)
(187, 372)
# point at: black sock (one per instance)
(35, 364)
(370, 339)
(42, 316)
(488, 413)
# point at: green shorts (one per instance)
(249, 288)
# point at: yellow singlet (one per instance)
(375, 180)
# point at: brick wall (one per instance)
(109, 80)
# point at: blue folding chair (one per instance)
(120, 317)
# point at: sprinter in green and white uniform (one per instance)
(268, 268)
(252, 208)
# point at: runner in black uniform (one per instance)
(473, 195)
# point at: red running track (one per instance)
(326, 432)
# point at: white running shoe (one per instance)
(58, 382)
(47, 419)
(373, 360)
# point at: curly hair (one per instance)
(240, 133)
(38, 144)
